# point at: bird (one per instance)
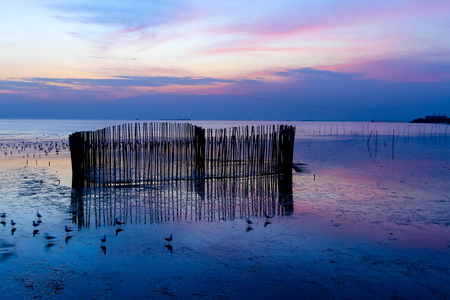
(169, 239)
(67, 229)
(103, 239)
(118, 222)
(249, 222)
(38, 215)
(35, 224)
(3, 215)
(13, 223)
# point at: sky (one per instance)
(356, 60)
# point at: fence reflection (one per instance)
(200, 200)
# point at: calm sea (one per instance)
(30, 127)
(366, 217)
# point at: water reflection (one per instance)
(49, 245)
(7, 250)
(205, 200)
(170, 248)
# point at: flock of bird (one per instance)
(249, 222)
(68, 230)
(117, 222)
(45, 146)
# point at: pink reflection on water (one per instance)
(401, 203)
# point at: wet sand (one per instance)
(361, 227)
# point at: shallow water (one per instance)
(369, 218)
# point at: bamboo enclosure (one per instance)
(143, 153)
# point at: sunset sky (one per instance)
(198, 59)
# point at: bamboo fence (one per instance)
(143, 153)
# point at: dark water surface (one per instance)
(363, 219)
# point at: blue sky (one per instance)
(271, 60)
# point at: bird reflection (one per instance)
(5, 255)
(104, 249)
(170, 248)
(68, 238)
(103, 240)
(49, 237)
(249, 229)
(36, 231)
(119, 230)
(49, 245)
(3, 223)
(267, 223)
(13, 230)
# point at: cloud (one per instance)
(133, 15)
(353, 83)
(312, 16)
(314, 74)
(20, 85)
(408, 69)
(116, 81)
(296, 94)
(116, 87)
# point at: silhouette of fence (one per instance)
(141, 153)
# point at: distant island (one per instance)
(432, 119)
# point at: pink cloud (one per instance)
(331, 16)
(146, 71)
(254, 49)
(319, 25)
(356, 47)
